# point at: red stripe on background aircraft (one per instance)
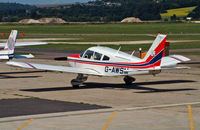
(104, 61)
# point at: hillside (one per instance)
(100, 10)
(43, 2)
(179, 12)
(195, 14)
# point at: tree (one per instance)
(173, 18)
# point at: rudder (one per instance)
(10, 44)
(156, 48)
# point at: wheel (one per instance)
(78, 81)
(128, 80)
(75, 86)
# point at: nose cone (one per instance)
(65, 58)
(75, 56)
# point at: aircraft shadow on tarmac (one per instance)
(136, 86)
(4, 75)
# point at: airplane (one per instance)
(8, 52)
(104, 61)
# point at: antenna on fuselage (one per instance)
(132, 53)
(118, 49)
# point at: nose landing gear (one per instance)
(78, 81)
(129, 80)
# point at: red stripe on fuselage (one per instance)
(101, 64)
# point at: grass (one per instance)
(180, 12)
(185, 45)
(183, 37)
(189, 53)
(144, 28)
(122, 38)
(140, 28)
(82, 47)
(110, 38)
(105, 39)
(124, 47)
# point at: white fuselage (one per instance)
(106, 61)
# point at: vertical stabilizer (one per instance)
(157, 47)
(10, 45)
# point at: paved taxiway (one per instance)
(169, 87)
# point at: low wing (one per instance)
(30, 43)
(173, 60)
(53, 68)
(25, 43)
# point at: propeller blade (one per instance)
(61, 58)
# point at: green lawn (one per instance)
(188, 53)
(144, 28)
(122, 38)
(123, 47)
(183, 37)
(86, 46)
(105, 38)
(140, 28)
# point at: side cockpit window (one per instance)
(97, 56)
(89, 54)
(81, 55)
(106, 57)
(94, 55)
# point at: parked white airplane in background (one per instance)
(8, 52)
(104, 61)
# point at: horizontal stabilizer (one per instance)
(173, 60)
(25, 43)
(23, 56)
(30, 43)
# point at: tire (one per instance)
(75, 86)
(128, 80)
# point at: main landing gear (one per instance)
(78, 81)
(129, 80)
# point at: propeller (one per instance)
(61, 58)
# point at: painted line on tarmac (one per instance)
(110, 119)
(85, 112)
(22, 126)
(190, 117)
